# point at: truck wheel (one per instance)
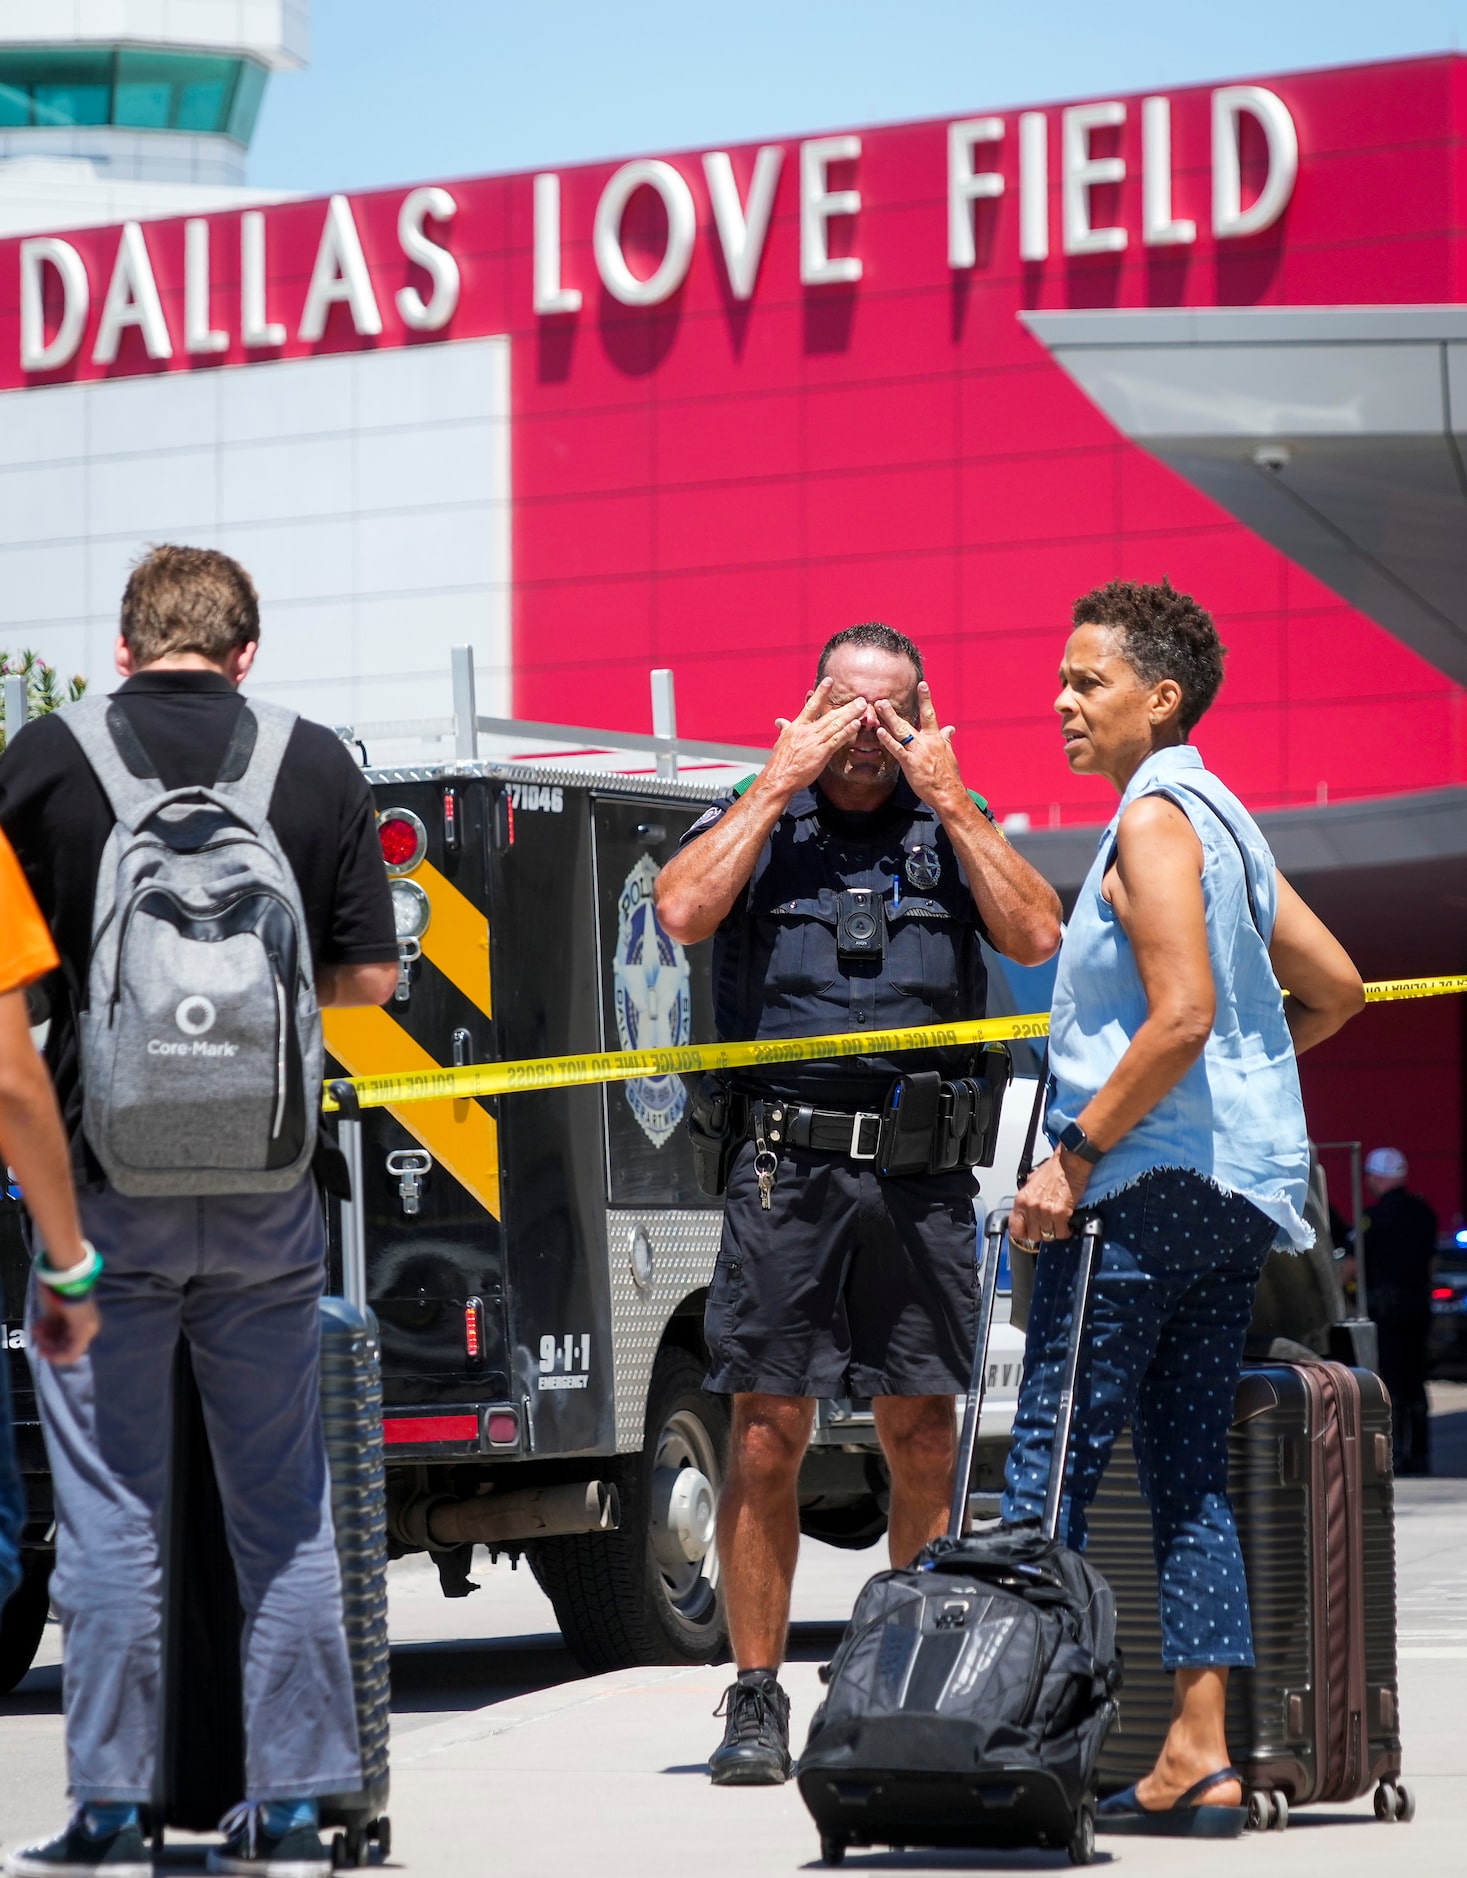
(23, 1622)
(648, 1593)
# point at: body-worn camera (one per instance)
(860, 930)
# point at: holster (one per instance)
(712, 1131)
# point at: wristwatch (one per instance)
(1078, 1142)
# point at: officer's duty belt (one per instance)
(829, 1131)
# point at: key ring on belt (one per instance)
(766, 1163)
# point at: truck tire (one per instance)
(648, 1592)
(23, 1621)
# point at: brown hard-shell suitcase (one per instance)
(1310, 1480)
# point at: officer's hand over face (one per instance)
(808, 743)
(924, 750)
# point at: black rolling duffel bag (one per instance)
(1310, 1481)
(971, 1693)
(200, 1772)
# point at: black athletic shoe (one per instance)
(77, 1853)
(755, 1751)
(248, 1847)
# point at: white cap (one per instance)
(1386, 1163)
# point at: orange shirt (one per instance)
(26, 951)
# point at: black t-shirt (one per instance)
(57, 817)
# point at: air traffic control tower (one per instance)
(126, 108)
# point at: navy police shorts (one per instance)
(848, 1286)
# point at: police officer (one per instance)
(848, 885)
(1400, 1266)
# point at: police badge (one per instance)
(924, 868)
(654, 1001)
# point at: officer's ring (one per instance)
(1044, 1233)
(909, 738)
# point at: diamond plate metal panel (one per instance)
(684, 1245)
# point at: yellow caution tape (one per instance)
(1388, 990)
(569, 1072)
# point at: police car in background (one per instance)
(538, 1263)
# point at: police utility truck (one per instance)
(538, 1262)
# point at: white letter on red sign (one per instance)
(198, 335)
(742, 231)
(427, 316)
(965, 185)
(37, 354)
(1159, 229)
(818, 204)
(256, 328)
(1033, 186)
(682, 229)
(132, 300)
(1083, 172)
(1229, 217)
(340, 276)
(550, 296)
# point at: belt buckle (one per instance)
(855, 1147)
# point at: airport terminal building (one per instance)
(700, 410)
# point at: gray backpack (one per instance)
(201, 1054)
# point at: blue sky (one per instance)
(414, 89)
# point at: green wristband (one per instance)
(76, 1280)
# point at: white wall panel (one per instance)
(367, 494)
(437, 547)
(159, 496)
(430, 466)
(297, 398)
(299, 560)
(299, 476)
(38, 585)
(169, 411)
(40, 503)
(430, 384)
(47, 427)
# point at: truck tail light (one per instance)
(450, 819)
(502, 1427)
(474, 1330)
(1443, 1294)
(403, 838)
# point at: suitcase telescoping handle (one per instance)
(991, 1246)
(991, 1242)
(1065, 1414)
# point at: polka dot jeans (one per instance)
(1169, 1309)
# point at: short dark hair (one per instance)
(1164, 634)
(188, 600)
(872, 633)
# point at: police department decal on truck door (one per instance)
(654, 1002)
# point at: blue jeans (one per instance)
(241, 1279)
(1170, 1307)
(12, 1494)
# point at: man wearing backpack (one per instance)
(211, 872)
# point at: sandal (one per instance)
(1123, 1812)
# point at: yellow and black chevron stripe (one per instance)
(374, 1041)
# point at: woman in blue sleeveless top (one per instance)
(1175, 1112)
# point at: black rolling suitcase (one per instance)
(1310, 1480)
(200, 1772)
(971, 1693)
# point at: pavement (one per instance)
(504, 1756)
